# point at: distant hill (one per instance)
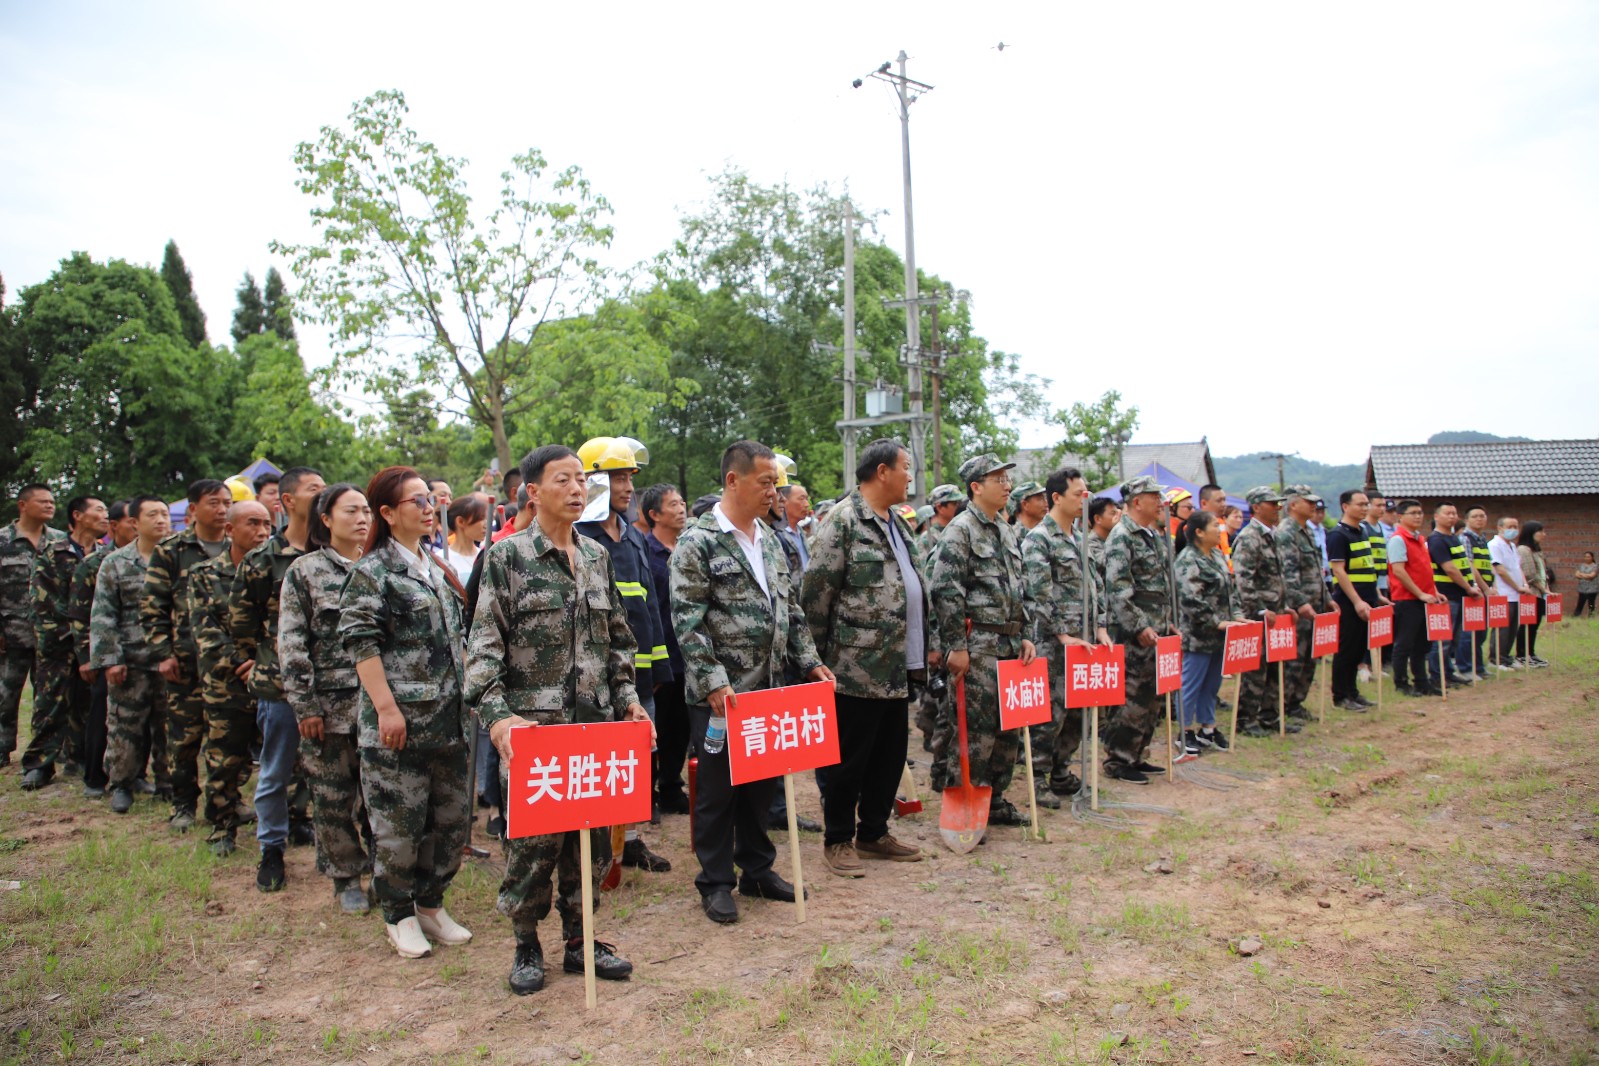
(1467, 436)
(1240, 473)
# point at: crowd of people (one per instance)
(353, 646)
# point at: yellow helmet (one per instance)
(240, 488)
(641, 454)
(786, 469)
(593, 448)
(608, 453)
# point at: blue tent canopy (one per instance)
(179, 509)
(1168, 479)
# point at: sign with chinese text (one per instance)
(1473, 614)
(1282, 639)
(1498, 612)
(1553, 608)
(565, 777)
(1529, 610)
(1324, 634)
(1380, 627)
(1168, 665)
(1023, 693)
(1439, 627)
(779, 731)
(1241, 653)
(1096, 675)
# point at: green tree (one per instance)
(412, 433)
(250, 314)
(181, 286)
(416, 287)
(1093, 434)
(278, 414)
(278, 309)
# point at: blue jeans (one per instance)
(1201, 683)
(1449, 646)
(280, 749)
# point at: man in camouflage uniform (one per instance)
(947, 501)
(118, 646)
(736, 611)
(1104, 514)
(977, 579)
(1257, 567)
(165, 617)
(21, 544)
(221, 670)
(1306, 592)
(1138, 605)
(1055, 594)
(60, 697)
(1028, 506)
(80, 604)
(550, 644)
(866, 602)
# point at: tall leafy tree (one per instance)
(417, 287)
(278, 309)
(19, 386)
(1093, 434)
(250, 315)
(181, 285)
(279, 414)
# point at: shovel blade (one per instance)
(964, 818)
(613, 876)
(904, 807)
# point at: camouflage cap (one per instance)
(980, 466)
(1140, 485)
(925, 511)
(945, 494)
(1024, 490)
(1262, 494)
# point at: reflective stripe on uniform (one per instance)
(632, 588)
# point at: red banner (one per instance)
(1474, 614)
(1498, 612)
(565, 777)
(1439, 627)
(1553, 608)
(1241, 653)
(1324, 635)
(1380, 627)
(1096, 676)
(1282, 639)
(1168, 664)
(779, 731)
(1528, 610)
(1023, 693)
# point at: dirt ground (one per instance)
(1383, 888)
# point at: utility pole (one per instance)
(1281, 484)
(849, 344)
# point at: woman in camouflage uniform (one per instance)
(1206, 602)
(400, 623)
(319, 682)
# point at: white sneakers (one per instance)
(441, 927)
(406, 936)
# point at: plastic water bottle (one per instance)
(715, 736)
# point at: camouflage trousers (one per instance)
(1055, 743)
(53, 696)
(136, 728)
(531, 863)
(1133, 723)
(343, 836)
(15, 667)
(229, 730)
(421, 818)
(186, 733)
(992, 750)
(1299, 676)
(1257, 700)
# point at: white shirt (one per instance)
(419, 567)
(461, 564)
(1503, 553)
(750, 546)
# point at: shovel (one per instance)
(907, 803)
(613, 876)
(964, 818)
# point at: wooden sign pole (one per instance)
(794, 849)
(1032, 784)
(585, 868)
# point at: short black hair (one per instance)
(1197, 523)
(439, 481)
(1348, 494)
(509, 481)
(76, 506)
(652, 498)
(884, 451)
(1058, 482)
(1406, 506)
(1439, 506)
(136, 505)
(206, 486)
(741, 455)
(118, 510)
(31, 489)
(705, 503)
(1100, 505)
(265, 478)
(1207, 491)
(1477, 507)
(294, 475)
(534, 462)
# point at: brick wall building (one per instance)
(1553, 481)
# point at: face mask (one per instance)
(1511, 534)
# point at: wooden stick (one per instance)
(1443, 669)
(586, 867)
(1238, 694)
(1032, 785)
(1093, 792)
(1474, 644)
(1325, 673)
(1282, 715)
(1170, 761)
(794, 849)
(1376, 659)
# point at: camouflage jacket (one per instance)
(1137, 583)
(1258, 570)
(856, 603)
(253, 611)
(1096, 557)
(318, 674)
(730, 631)
(17, 557)
(51, 587)
(115, 636)
(414, 626)
(548, 644)
(217, 658)
(977, 574)
(1054, 592)
(80, 601)
(927, 544)
(1206, 599)
(164, 610)
(1301, 566)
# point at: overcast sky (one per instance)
(1284, 226)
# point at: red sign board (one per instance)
(1498, 612)
(1096, 675)
(565, 777)
(1324, 635)
(1439, 627)
(1529, 610)
(1380, 627)
(779, 731)
(1474, 614)
(1553, 608)
(1023, 693)
(1168, 664)
(1241, 653)
(1282, 639)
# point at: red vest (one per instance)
(1418, 564)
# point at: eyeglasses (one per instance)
(422, 500)
(999, 479)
